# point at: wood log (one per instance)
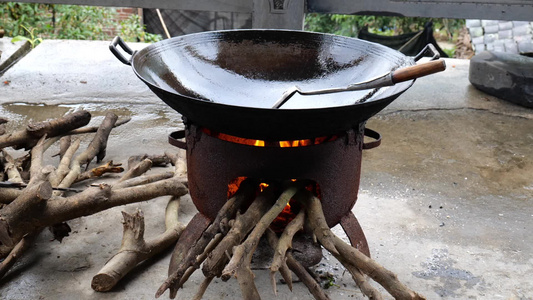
(300, 271)
(96, 148)
(94, 199)
(348, 254)
(135, 249)
(63, 168)
(99, 171)
(64, 145)
(190, 235)
(285, 241)
(243, 224)
(176, 270)
(239, 265)
(21, 211)
(138, 169)
(157, 160)
(283, 268)
(23, 245)
(144, 180)
(28, 137)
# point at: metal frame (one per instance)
(289, 14)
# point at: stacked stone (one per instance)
(501, 36)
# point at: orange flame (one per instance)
(288, 213)
(262, 143)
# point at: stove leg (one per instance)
(355, 233)
(189, 236)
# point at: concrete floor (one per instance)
(445, 201)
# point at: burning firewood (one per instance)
(232, 254)
(180, 264)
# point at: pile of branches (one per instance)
(34, 196)
(224, 247)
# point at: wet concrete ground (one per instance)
(445, 201)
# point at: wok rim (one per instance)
(404, 86)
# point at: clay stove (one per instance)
(333, 162)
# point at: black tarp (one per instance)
(409, 44)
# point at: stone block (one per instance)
(511, 47)
(505, 34)
(473, 23)
(475, 31)
(520, 23)
(498, 48)
(522, 38)
(498, 42)
(489, 38)
(522, 30)
(478, 40)
(491, 29)
(525, 47)
(486, 23)
(505, 25)
(478, 47)
(504, 75)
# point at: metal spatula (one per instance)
(388, 79)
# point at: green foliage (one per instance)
(349, 25)
(449, 52)
(36, 21)
(329, 281)
(15, 16)
(132, 30)
(81, 22)
(33, 40)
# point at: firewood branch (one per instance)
(177, 269)
(94, 199)
(310, 282)
(349, 255)
(135, 249)
(243, 224)
(99, 171)
(96, 148)
(28, 137)
(239, 265)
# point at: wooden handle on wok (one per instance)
(417, 71)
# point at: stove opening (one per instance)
(291, 209)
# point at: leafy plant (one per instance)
(34, 41)
(132, 30)
(68, 22)
(350, 25)
(15, 16)
(82, 22)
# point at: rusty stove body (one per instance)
(335, 165)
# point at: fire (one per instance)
(262, 143)
(289, 211)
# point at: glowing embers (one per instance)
(291, 209)
(261, 143)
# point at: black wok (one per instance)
(228, 81)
